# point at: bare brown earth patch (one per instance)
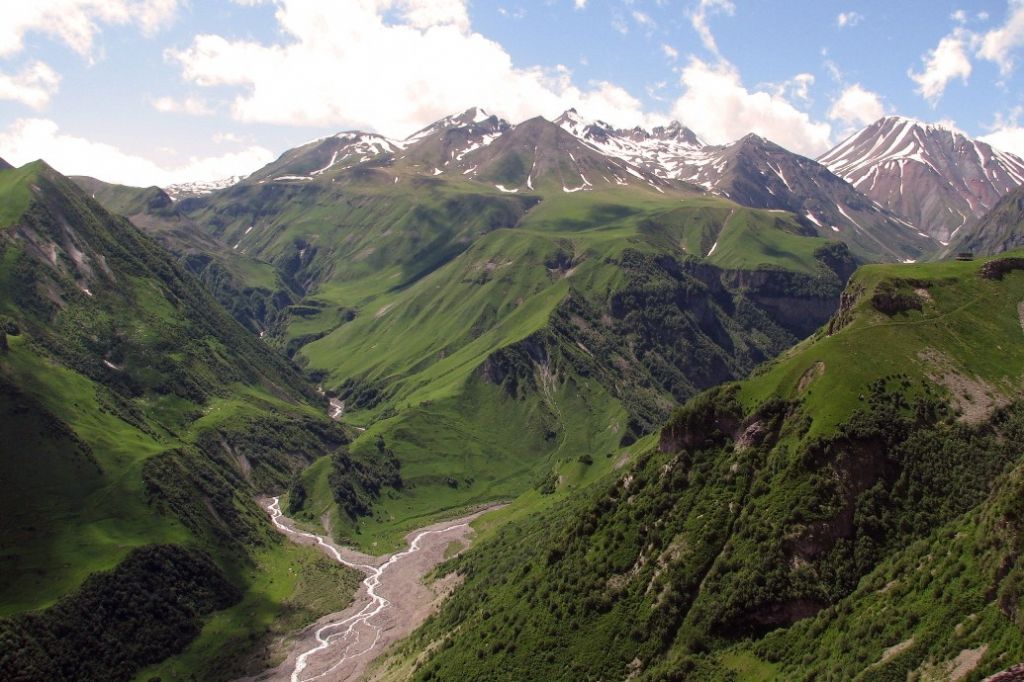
(812, 373)
(974, 398)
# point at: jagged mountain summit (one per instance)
(473, 146)
(933, 175)
(758, 173)
(576, 154)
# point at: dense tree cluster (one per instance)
(146, 609)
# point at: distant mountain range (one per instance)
(897, 190)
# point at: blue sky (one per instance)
(159, 91)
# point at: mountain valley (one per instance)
(745, 416)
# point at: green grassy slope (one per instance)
(852, 511)
(589, 317)
(429, 305)
(135, 413)
(253, 291)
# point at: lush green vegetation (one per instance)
(150, 606)
(413, 298)
(142, 422)
(777, 533)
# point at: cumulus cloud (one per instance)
(720, 108)
(1008, 138)
(33, 86)
(669, 51)
(398, 89)
(1006, 133)
(949, 60)
(998, 44)
(579, 4)
(848, 19)
(699, 20)
(857, 106)
(76, 22)
(28, 139)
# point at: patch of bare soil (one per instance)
(975, 398)
(966, 662)
(812, 373)
(895, 650)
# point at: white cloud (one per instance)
(669, 51)
(221, 138)
(798, 87)
(998, 44)
(848, 19)
(959, 16)
(385, 75)
(699, 20)
(579, 4)
(1009, 138)
(194, 106)
(28, 139)
(643, 19)
(424, 14)
(76, 22)
(1006, 133)
(947, 61)
(857, 106)
(717, 106)
(33, 86)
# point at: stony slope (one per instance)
(1001, 229)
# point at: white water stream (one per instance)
(346, 637)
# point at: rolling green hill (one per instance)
(850, 511)
(251, 290)
(138, 423)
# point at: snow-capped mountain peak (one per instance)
(931, 173)
(183, 190)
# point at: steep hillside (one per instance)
(253, 292)
(1001, 229)
(936, 177)
(139, 422)
(851, 511)
(478, 269)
